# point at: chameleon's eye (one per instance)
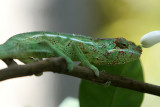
(122, 45)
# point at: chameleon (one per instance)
(32, 46)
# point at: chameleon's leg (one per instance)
(84, 60)
(29, 60)
(70, 64)
(26, 60)
(57, 52)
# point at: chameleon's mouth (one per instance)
(139, 49)
(137, 52)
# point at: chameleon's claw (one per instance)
(96, 73)
(95, 70)
(107, 84)
(70, 64)
(70, 67)
(35, 59)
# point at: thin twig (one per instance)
(58, 65)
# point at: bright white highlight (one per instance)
(50, 35)
(36, 36)
(150, 39)
(91, 43)
(124, 50)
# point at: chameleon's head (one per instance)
(122, 51)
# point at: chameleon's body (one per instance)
(89, 51)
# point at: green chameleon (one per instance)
(32, 46)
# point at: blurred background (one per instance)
(99, 18)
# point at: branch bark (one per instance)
(58, 65)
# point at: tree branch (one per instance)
(58, 65)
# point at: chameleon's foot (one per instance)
(70, 64)
(95, 70)
(38, 74)
(107, 84)
(35, 59)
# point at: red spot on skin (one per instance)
(83, 47)
(79, 44)
(51, 41)
(121, 52)
(114, 62)
(117, 57)
(91, 39)
(93, 49)
(106, 54)
(69, 43)
(98, 62)
(131, 55)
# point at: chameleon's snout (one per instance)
(136, 50)
(139, 50)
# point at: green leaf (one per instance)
(94, 95)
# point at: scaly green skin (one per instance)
(89, 51)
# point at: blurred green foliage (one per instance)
(93, 95)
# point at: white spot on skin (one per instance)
(91, 43)
(124, 50)
(150, 39)
(36, 36)
(51, 35)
